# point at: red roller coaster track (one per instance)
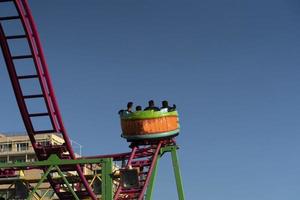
(51, 109)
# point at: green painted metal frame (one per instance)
(107, 179)
(147, 114)
(175, 161)
(54, 162)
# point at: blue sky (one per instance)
(232, 67)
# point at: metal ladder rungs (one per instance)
(128, 191)
(28, 76)
(33, 96)
(22, 57)
(69, 195)
(3, 1)
(38, 114)
(44, 131)
(9, 18)
(143, 163)
(15, 37)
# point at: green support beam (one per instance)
(67, 183)
(53, 163)
(177, 173)
(30, 196)
(175, 162)
(107, 182)
(150, 188)
(52, 160)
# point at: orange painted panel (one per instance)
(149, 126)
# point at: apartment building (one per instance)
(18, 148)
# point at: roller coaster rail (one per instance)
(61, 159)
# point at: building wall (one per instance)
(18, 148)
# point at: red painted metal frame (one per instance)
(139, 153)
(131, 157)
(153, 162)
(37, 54)
(144, 156)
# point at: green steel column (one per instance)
(39, 183)
(107, 182)
(150, 188)
(177, 174)
(67, 183)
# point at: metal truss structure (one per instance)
(111, 187)
(62, 170)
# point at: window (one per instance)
(18, 159)
(31, 159)
(22, 146)
(5, 147)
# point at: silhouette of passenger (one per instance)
(151, 106)
(120, 113)
(165, 106)
(128, 110)
(138, 108)
(129, 107)
(172, 108)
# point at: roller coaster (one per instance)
(130, 175)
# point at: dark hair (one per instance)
(165, 104)
(129, 104)
(151, 103)
(138, 108)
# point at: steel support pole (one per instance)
(107, 182)
(150, 188)
(67, 183)
(177, 173)
(31, 195)
(44, 177)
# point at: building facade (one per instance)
(18, 148)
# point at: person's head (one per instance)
(138, 108)
(151, 103)
(165, 104)
(129, 105)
